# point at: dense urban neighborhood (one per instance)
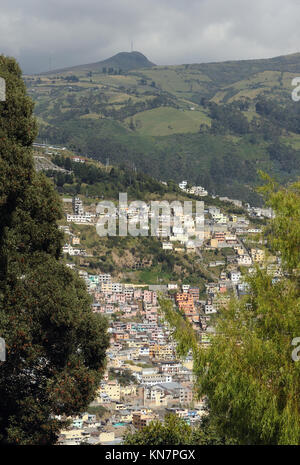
(145, 378)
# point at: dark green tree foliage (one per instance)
(100, 181)
(286, 156)
(123, 377)
(55, 344)
(228, 118)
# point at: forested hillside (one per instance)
(215, 124)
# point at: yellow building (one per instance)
(214, 243)
(258, 255)
(239, 250)
(107, 436)
(207, 234)
(112, 389)
(128, 390)
(161, 352)
(126, 417)
(140, 419)
(106, 287)
(73, 436)
(221, 301)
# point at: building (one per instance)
(182, 185)
(194, 292)
(167, 246)
(244, 260)
(142, 419)
(258, 255)
(112, 389)
(235, 276)
(185, 302)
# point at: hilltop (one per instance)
(215, 124)
(123, 61)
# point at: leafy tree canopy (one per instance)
(55, 344)
(247, 373)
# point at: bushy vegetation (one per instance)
(93, 181)
(175, 431)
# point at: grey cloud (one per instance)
(70, 32)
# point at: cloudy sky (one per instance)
(58, 33)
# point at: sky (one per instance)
(51, 34)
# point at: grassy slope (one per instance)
(164, 121)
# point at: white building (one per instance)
(117, 287)
(183, 185)
(209, 308)
(198, 190)
(86, 218)
(172, 286)
(235, 276)
(244, 260)
(104, 278)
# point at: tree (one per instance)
(68, 164)
(131, 124)
(176, 431)
(55, 344)
(247, 373)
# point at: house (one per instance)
(209, 308)
(73, 436)
(194, 292)
(106, 437)
(75, 240)
(190, 246)
(182, 185)
(244, 260)
(185, 302)
(78, 159)
(172, 286)
(235, 276)
(142, 419)
(112, 390)
(167, 246)
(185, 287)
(258, 255)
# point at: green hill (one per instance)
(123, 60)
(213, 123)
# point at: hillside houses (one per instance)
(148, 378)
